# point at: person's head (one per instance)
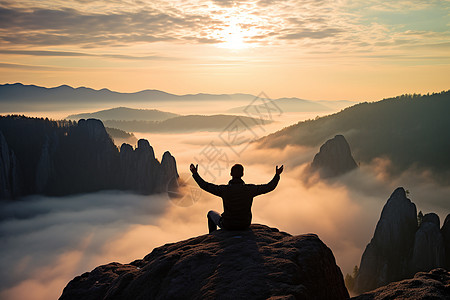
(237, 171)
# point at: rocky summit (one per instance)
(334, 158)
(424, 286)
(258, 263)
(58, 158)
(400, 246)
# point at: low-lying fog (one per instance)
(48, 241)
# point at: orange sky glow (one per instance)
(352, 50)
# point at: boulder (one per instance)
(424, 286)
(258, 263)
(334, 158)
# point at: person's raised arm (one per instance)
(268, 187)
(209, 187)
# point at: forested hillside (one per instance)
(410, 130)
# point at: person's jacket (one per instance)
(237, 199)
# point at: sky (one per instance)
(311, 49)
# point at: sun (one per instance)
(237, 27)
(233, 36)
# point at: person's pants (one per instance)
(214, 220)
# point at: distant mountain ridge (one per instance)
(21, 92)
(20, 97)
(190, 123)
(152, 120)
(283, 105)
(125, 114)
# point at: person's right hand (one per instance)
(279, 170)
(194, 169)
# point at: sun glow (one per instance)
(233, 36)
(238, 26)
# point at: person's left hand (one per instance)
(279, 170)
(194, 169)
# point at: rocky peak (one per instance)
(168, 163)
(169, 173)
(334, 158)
(397, 224)
(445, 231)
(258, 263)
(95, 129)
(144, 149)
(142, 172)
(386, 257)
(431, 218)
(446, 227)
(126, 149)
(400, 248)
(61, 158)
(429, 250)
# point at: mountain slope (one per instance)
(409, 130)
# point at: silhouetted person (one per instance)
(237, 198)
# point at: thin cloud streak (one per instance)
(81, 54)
(30, 67)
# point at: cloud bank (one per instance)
(94, 24)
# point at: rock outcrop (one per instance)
(142, 172)
(429, 248)
(258, 263)
(169, 174)
(386, 256)
(62, 157)
(334, 158)
(424, 286)
(445, 231)
(399, 247)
